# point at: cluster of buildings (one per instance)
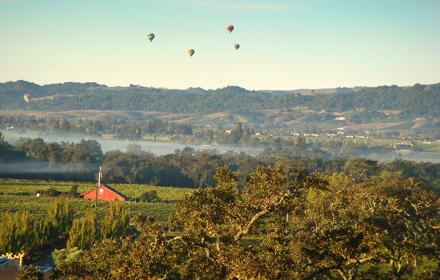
(338, 133)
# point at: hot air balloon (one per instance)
(191, 52)
(230, 28)
(237, 46)
(151, 37)
(27, 97)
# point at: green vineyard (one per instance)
(19, 195)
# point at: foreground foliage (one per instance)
(21, 233)
(30, 273)
(283, 224)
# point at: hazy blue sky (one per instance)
(286, 44)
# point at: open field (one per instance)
(94, 115)
(19, 195)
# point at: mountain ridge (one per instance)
(229, 88)
(414, 101)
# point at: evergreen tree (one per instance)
(83, 233)
(17, 232)
(301, 143)
(116, 221)
(58, 219)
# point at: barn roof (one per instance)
(109, 188)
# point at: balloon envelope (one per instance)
(151, 37)
(237, 46)
(191, 52)
(27, 97)
(230, 28)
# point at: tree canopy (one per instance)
(283, 224)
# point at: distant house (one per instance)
(106, 193)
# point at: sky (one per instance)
(285, 44)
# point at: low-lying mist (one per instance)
(157, 148)
(37, 167)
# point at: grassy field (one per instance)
(19, 195)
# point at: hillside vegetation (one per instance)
(417, 100)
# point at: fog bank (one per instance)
(157, 148)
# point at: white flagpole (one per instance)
(99, 184)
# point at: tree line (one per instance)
(186, 167)
(121, 128)
(417, 100)
(135, 130)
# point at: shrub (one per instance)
(149, 196)
(83, 233)
(66, 260)
(17, 232)
(29, 273)
(50, 192)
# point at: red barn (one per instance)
(106, 193)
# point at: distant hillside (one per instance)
(415, 101)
